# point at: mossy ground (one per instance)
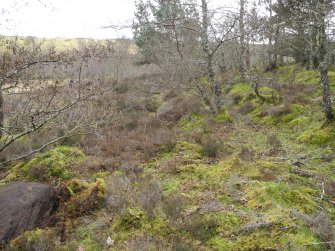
(273, 176)
(53, 164)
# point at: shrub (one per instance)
(173, 205)
(122, 88)
(148, 197)
(211, 147)
(153, 103)
(201, 227)
(118, 192)
(175, 108)
(273, 142)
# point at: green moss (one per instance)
(228, 222)
(218, 243)
(224, 199)
(89, 236)
(192, 122)
(270, 95)
(275, 239)
(100, 175)
(170, 186)
(223, 117)
(241, 88)
(34, 240)
(279, 115)
(153, 103)
(286, 73)
(242, 94)
(318, 136)
(271, 195)
(158, 226)
(302, 120)
(203, 81)
(298, 239)
(331, 76)
(55, 163)
(196, 171)
(85, 197)
(259, 240)
(308, 77)
(188, 151)
(90, 244)
(266, 164)
(134, 222)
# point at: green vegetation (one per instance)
(193, 122)
(53, 164)
(248, 178)
(319, 135)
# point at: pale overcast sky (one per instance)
(68, 18)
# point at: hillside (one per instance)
(257, 176)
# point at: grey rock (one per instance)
(23, 206)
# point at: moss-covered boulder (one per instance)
(57, 163)
(24, 205)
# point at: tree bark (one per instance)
(313, 60)
(2, 117)
(271, 65)
(323, 66)
(242, 40)
(209, 58)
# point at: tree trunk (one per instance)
(271, 65)
(248, 60)
(2, 117)
(209, 59)
(276, 46)
(242, 40)
(313, 59)
(323, 66)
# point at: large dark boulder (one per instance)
(23, 206)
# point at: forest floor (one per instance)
(169, 175)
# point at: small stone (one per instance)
(109, 241)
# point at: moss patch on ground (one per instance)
(319, 135)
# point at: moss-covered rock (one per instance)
(53, 164)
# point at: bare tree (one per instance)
(322, 8)
(42, 89)
(243, 45)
